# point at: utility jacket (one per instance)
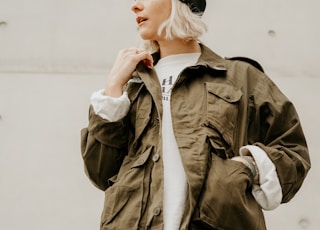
(217, 106)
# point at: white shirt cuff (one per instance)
(110, 108)
(269, 193)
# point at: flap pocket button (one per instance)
(156, 157)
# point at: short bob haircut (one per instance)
(182, 23)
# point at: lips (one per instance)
(140, 20)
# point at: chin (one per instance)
(145, 35)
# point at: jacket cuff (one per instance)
(269, 193)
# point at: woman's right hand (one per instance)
(123, 67)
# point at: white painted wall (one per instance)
(54, 53)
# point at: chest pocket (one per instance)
(222, 104)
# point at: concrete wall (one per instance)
(54, 53)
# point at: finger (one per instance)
(147, 58)
(147, 63)
(138, 55)
(134, 50)
(130, 52)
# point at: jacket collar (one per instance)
(211, 60)
(208, 59)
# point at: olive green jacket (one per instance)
(217, 106)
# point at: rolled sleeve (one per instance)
(269, 193)
(109, 108)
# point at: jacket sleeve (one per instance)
(103, 147)
(275, 127)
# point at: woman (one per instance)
(184, 139)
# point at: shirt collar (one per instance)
(208, 59)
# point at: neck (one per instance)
(178, 46)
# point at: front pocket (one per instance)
(226, 201)
(222, 108)
(115, 199)
(123, 199)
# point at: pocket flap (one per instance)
(226, 92)
(142, 158)
(112, 180)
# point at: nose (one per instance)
(137, 6)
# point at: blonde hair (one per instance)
(182, 23)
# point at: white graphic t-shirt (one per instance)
(175, 180)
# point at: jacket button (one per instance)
(156, 211)
(156, 157)
(227, 97)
